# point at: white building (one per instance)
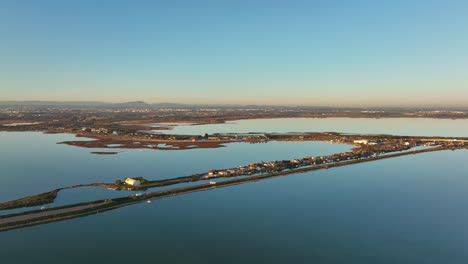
(132, 182)
(361, 141)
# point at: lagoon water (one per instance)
(33, 163)
(393, 126)
(409, 209)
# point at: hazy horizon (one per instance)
(344, 106)
(333, 53)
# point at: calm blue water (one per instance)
(394, 126)
(404, 210)
(33, 163)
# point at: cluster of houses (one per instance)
(368, 150)
(96, 130)
(274, 166)
(368, 141)
(253, 138)
(457, 143)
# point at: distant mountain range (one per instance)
(141, 104)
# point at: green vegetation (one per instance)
(33, 200)
(142, 180)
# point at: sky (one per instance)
(330, 52)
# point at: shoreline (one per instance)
(37, 217)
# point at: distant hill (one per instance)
(134, 104)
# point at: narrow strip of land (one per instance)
(37, 217)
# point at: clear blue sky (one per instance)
(328, 52)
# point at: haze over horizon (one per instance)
(335, 53)
(141, 103)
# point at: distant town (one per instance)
(138, 126)
(130, 125)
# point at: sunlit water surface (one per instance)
(408, 209)
(394, 126)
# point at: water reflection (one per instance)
(393, 126)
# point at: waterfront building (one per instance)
(361, 141)
(133, 182)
